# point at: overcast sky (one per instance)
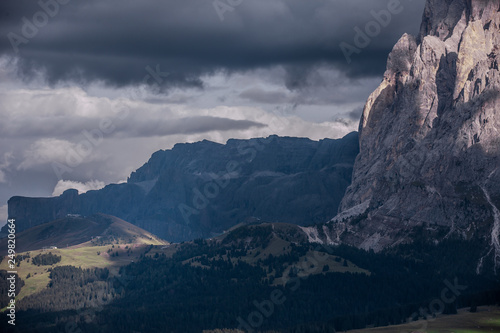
(90, 89)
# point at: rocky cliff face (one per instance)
(196, 190)
(38, 210)
(430, 137)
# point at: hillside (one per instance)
(70, 231)
(261, 245)
(485, 320)
(96, 242)
(229, 281)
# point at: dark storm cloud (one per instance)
(355, 114)
(114, 41)
(188, 125)
(262, 96)
(64, 127)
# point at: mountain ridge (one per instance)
(197, 190)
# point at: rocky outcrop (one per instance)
(39, 210)
(201, 189)
(430, 136)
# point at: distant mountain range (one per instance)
(200, 189)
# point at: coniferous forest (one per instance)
(161, 293)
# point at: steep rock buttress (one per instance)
(430, 135)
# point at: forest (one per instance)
(160, 293)
(45, 259)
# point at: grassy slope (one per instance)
(84, 256)
(277, 246)
(72, 231)
(486, 319)
(117, 236)
(60, 233)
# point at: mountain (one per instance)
(429, 161)
(415, 237)
(201, 189)
(424, 199)
(74, 230)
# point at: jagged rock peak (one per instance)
(430, 136)
(442, 16)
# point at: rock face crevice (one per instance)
(430, 134)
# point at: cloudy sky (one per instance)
(90, 89)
